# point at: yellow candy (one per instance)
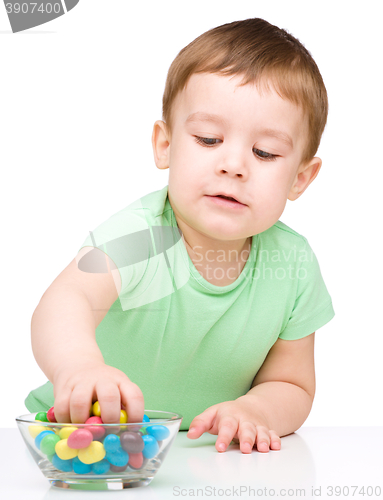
(123, 417)
(96, 409)
(93, 453)
(64, 452)
(34, 430)
(65, 432)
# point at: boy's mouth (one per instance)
(230, 199)
(226, 197)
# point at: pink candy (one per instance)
(81, 438)
(51, 415)
(97, 432)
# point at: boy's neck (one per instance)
(219, 264)
(222, 252)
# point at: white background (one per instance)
(78, 99)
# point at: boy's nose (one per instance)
(233, 165)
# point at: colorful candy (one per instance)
(80, 438)
(119, 458)
(65, 432)
(96, 409)
(48, 443)
(151, 447)
(42, 416)
(95, 449)
(51, 415)
(132, 442)
(136, 460)
(63, 465)
(112, 443)
(97, 431)
(159, 432)
(93, 453)
(34, 430)
(101, 467)
(40, 436)
(64, 451)
(79, 467)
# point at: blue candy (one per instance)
(151, 447)
(112, 443)
(159, 432)
(40, 436)
(119, 458)
(63, 465)
(101, 467)
(146, 419)
(79, 467)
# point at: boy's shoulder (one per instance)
(151, 205)
(142, 212)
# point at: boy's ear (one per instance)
(305, 175)
(161, 143)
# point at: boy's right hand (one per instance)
(77, 387)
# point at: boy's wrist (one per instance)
(284, 406)
(256, 407)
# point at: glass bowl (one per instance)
(119, 455)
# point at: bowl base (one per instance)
(102, 484)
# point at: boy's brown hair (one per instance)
(264, 54)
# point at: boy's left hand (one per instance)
(236, 420)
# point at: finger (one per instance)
(263, 439)
(108, 395)
(202, 422)
(133, 401)
(275, 441)
(246, 435)
(80, 402)
(227, 428)
(61, 405)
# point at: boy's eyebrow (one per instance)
(205, 117)
(208, 117)
(278, 134)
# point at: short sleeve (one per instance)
(125, 238)
(148, 257)
(313, 305)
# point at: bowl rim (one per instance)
(174, 417)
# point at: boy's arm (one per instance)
(278, 403)
(64, 343)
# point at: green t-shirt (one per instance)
(189, 344)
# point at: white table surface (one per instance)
(313, 457)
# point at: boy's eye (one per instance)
(263, 155)
(207, 141)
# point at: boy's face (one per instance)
(232, 140)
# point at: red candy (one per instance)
(97, 432)
(80, 439)
(51, 415)
(135, 460)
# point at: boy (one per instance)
(217, 325)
